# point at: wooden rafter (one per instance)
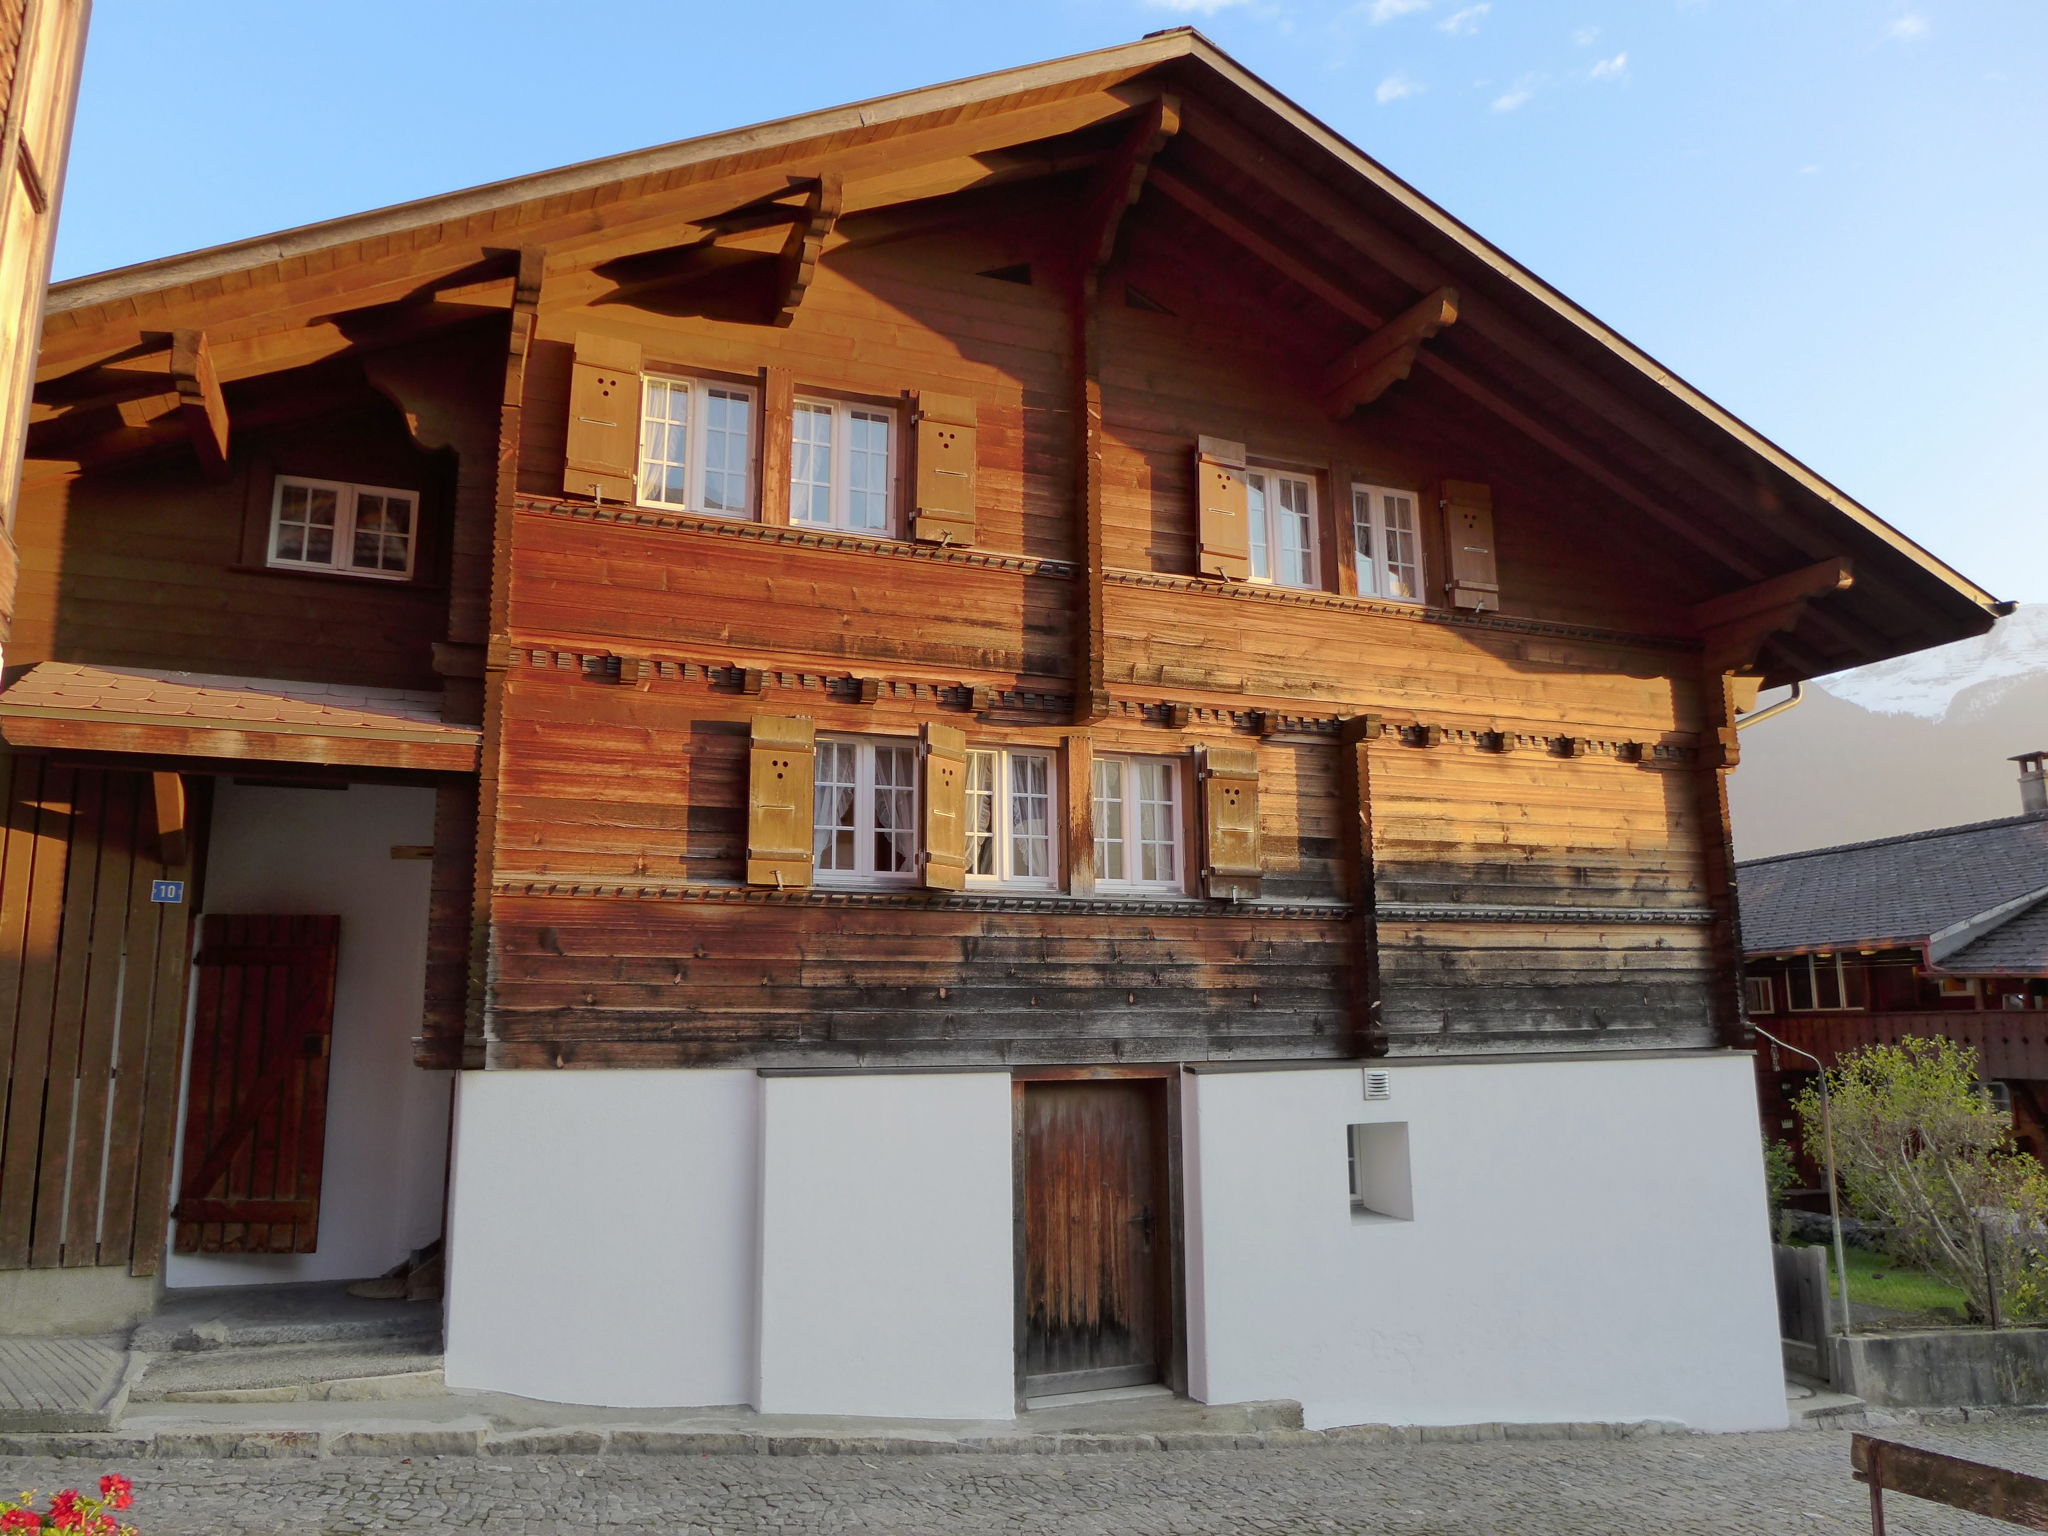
(798, 260)
(200, 406)
(1735, 626)
(1115, 186)
(1387, 356)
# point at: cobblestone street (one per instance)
(1694, 1485)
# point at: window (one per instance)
(1761, 994)
(1009, 818)
(1137, 823)
(1389, 550)
(1381, 1186)
(864, 807)
(841, 471)
(1999, 1097)
(359, 530)
(1823, 984)
(1281, 520)
(697, 446)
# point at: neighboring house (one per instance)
(1038, 734)
(1941, 933)
(42, 44)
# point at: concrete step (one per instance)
(62, 1385)
(374, 1370)
(225, 1317)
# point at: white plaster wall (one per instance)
(307, 851)
(603, 1236)
(887, 1265)
(1589, 1243)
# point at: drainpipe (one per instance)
(1827, 1136)
(1798, 692)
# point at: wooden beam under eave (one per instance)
(1387, 356)
(1115, 187)
(200, 405)
(1735, 626)
(798, 262)
(172, 826)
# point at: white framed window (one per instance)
(842, 466)
(1823, 984)
(1958, 986)
(864, 805)
(358, 530)
(1382, 1188)
(1761, 995)
(697, 446)
(1999, 1096)
(1282, 525)
(1009, 818)
(1385, 536)
(1138, 824)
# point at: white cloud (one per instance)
(1611, 69)
(1507, 101)
(1585, 36)
(1809, 170)
(1386, 10)
(1464, 23)
(1195, 7)
(1396, 86)
(1908, 28)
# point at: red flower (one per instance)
(21, 1520)
(106, 1525)
(65, 1514)
(117, 1491)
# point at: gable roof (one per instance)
(1969, 883)
(1359, 242)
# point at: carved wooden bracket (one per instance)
(1117, 182)
(799, 259)
(1387, 356)
(1734, 627)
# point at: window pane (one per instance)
(320, 545)
(1030, 817)
(726, 413)
(981, 813)
(895, 809)
(832, 805)
(1155, 822)
(1292, 530)
(381, 539)
(1799, 987)
(810, 466)
(664, 443)
(1255, 497)
(1363, 540)
(1404, 556)
(1827, 982)
(1109, 819)
(867, 470)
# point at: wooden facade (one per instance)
(1093, 301)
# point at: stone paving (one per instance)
(1727, 1485)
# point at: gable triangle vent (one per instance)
(1020, 273)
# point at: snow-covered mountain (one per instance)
(1904, 745)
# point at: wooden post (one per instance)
(1369, 1033)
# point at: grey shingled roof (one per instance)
(2018, 946)
(1897, 888)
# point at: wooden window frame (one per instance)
(1268, 527)
(1002, 790)
(1765, 987)
(1811, 967)
(346, 498)
(1127, 824)
(1370, 575)
(864, 875)
(839, 487)
(693, 465)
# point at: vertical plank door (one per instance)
(256, 1115)
(1096, 1229)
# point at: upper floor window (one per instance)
(842, 466)
(1009, 817)
(1281, 524)
(357, 530)
(697, 446)
(864, 810)
(1389, 550)
(1138, 823)
(1759, 994)
(1823, 984)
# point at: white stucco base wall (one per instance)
(1589, 1242)
(602, 1236)
(887, 1267)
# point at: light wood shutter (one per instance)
(779, 805)
(1468, 530)
(945, 807)
(1230, 823)
(602, 456)
(1224, 526)
(944, 510)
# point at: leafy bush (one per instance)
(1781, 1175)
(1922, 1152)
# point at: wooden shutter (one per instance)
(1230, 823)
(1224, 530)
(1468, 529)
(779, 806)
(602, 456)
(945, 807)
(944, 513)
(256, 1096)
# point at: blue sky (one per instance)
(1831, 215)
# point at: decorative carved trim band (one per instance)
(1680, 917)
(937, 901)
(803, 538)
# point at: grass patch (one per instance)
(1875, 1281)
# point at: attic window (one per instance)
(354, 530)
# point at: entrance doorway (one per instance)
(1098, 1235)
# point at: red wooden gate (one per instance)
(256, 1106)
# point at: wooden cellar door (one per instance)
(256, 1115)
(1096, 1233)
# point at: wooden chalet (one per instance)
(1037, 734)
